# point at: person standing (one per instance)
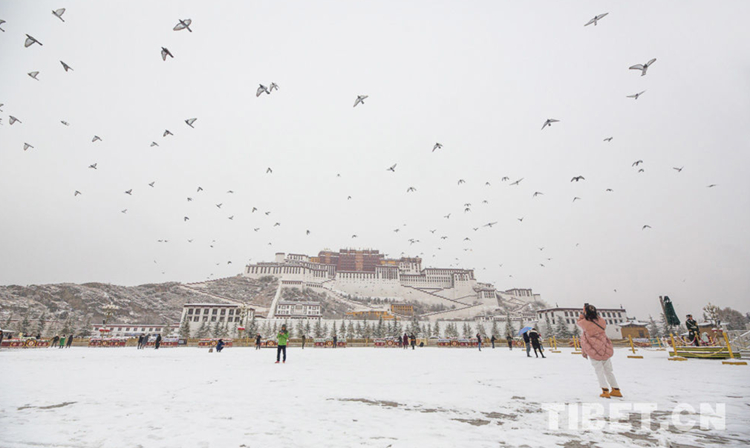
(479, 341)
(303, 341)
(2, 335)
(527, 342)
(140, 341)
(62, 341)
(692, 327)
(219, 346)
(413, 339)
(257, 342)
(597, 348)
(405, 341)
(157, 342)
(492, 341)
(70, 341)
(335, 341)
(536, 342)
(510, 343)
(282, 339)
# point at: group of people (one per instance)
(60, 341)
(408, 339)
(143, 340)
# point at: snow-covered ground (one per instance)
(431, 397)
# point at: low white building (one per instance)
(133, 330)
(613, 316)
(298, 309)
(231, 315)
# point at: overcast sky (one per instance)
(479, 77)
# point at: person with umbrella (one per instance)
(526, 340)
(536, 342)
(597, 348)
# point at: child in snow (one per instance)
(597, 347)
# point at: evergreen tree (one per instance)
(481, 330)
(666, 329)
(85, 331)
(576, 331)
(326, 330)
(252, 327)
(547, 331)
(561, 331)
(494, 330)
(215, 331)
(185, 328)
(427, 330)
(359, 330)
(318, 329)
(307, 327)
(300, 328)
(466, 333)
(334, 330)
(40, 323)
(653, 329)
(398, 329)
(203, 330)
(436, 329)
(367, 331)
(350, 332)
(380, 329)
(275, 330)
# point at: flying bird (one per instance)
(448, 216)
(261, 89)
(190, 121)
(166, 133)
(467, 209)
(549, 122)
(577, 178)
(641, 170)
(307, 232)
(199, 189)
(576, 198)
(255, 209)
(636, 95)
(219, 205)
(273, 86)
(505, 179)
(31, 41)
(637, 162)
(130, 192)
(679, 170)
(411, 189)
(183, 25)
(96, 137)
(360, 99)
(487, 184)
(643, 67)
(608, 189)
(1, 22)
(230, 192)
(517, 182)
(93, 165)
(153, 144)
(461, 181)
(608, 139)
(490, 224)
(59, 13)
(393, 168)
(645, 227)
(151, 184)
(65, 123)
(269, 170)
(711, 186)
(76, 193)
(164, 53)
(66, 66)
(12, 119)
(520, 219)
(124, 211)
(34, 75)
(27, 146)
(354, 236)
(537, 193)
(437, 146)
(277, 224)
(596, 19)
(231, 218)
(185, 219)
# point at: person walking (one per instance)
(510, 343)
(405, 341)
(157, 342)
(536, 342)
(692, 327)
(303, 341)
(597, 348)
(219, 346)
(62, 341)
(140, 341)
(413, 340)
(335, 341)
(479, 341)
(492, 341)
(70, 341)
(54, 340)
(527, 342)
(257, 342)
(282, 339)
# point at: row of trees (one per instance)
(47, 328)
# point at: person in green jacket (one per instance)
(282, 339)
(62, 341)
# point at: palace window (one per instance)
(205, 311)
(215, 311)
(190, 311)
(221, 319)
(196, 319)
(223, 312)
(213, 318)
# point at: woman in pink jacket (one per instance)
(597, 347)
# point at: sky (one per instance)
(479, 78)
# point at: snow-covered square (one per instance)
(379, 397)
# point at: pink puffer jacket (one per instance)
(594, 341)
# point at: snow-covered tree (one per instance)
(711, 314)
(494, 330)
(653, 329)
(334, 330)
(367, 332)
(510, 330)
(562, 331)
(481, 330)
(202, 331)
(40, 323)
(380, 329)
(436, 329)
(215, 330)
(466, 332)
(300, 328)
(85, 331)
(326, 330)
(547, 331)
(350, 332)
(185, 328)
(576, 331)
(308, 329)
(666, 329)
(318, 329)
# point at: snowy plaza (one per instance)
(379, 397)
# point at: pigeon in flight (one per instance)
(12, 119)
(27, 146)
(130, 192)
(124, 211)
(164, 53)
(185, 219)
(166, 133)
(277, 224)
(643, 67)
(437, 146)
(504, 179)
(490, 224)
(393, 168)
(256, 229)
(96, 137)
(66, 66)
(31, 41)
(433, 231)
(231, 218)
(679, 170)
(636, 95)
(411, 189)
(269, 170)
(219, 205)
(596, 19)
(1, 22)
(461, 181)
(153, 144)
(76, 193)
(354, 236)
(151, 184)
(65, 123)
(59, 13)
(307, 232)
(93, 165)
(537, 193)
(468, 204)
(230, 192)
(517, 182)
(646, 227)
(255, 209)
(540, 248)
(549, 122)
(183, 25)
(34, 75)
(711, 186)
(637, 162)
(608, 139)
(272, 86)
(608, 189)
(577, 178)
(199, 189)
(467, 209)
(641, 170)
(576, 198)
(190, 121)
(360, 99)
(487, 184)
(261, 89)
(448, 216)
(520, 219)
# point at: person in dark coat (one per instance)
(535, 338)
(405, 341)
(54, 341)
(492, 341)
(692, 327)
(219, 346)
(257, 342)
(335, 341)
(510, 342)
(413, 340)
(479, 341)
(2, 335)
(303, 341)
(70, 341)
(146, 337)
(157, 342)
(527, 342)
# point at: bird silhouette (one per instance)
(437, 146)
(641, 170)
(124, 211)
(183, 25)
(27, 146)
(66, 66)
(517, 182)
(711, 186)
(637, 162)
(164, 53)
(130, 192)
(12, 119)
(190, 122)
(76, 193)
(1, 22)
(537, 193)
(166, 133)
(153, 144)
(185, 219)
(34, 75)
(636, 95)
(576, 198)
(65, 123)
(643, 67)
(190, 199)
(219, 205)
(93, 165)
(549, 122)
(608, 139)
(679, 170)
(645, 227)
(273, 86)
(448, 216)
(231, 218)
(577, 178)
(411, 189)
(392, 168)
(461, 181)
(96, 138)
(261, 89)
(505, 179)
(360, 99)
(608, 189)
(520, 219)
(31, 41)
(596, 19)
(490, 224)
(307, 232)
(151, 184)
(269, 171)
(199, 189)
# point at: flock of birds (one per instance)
(185, 24)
